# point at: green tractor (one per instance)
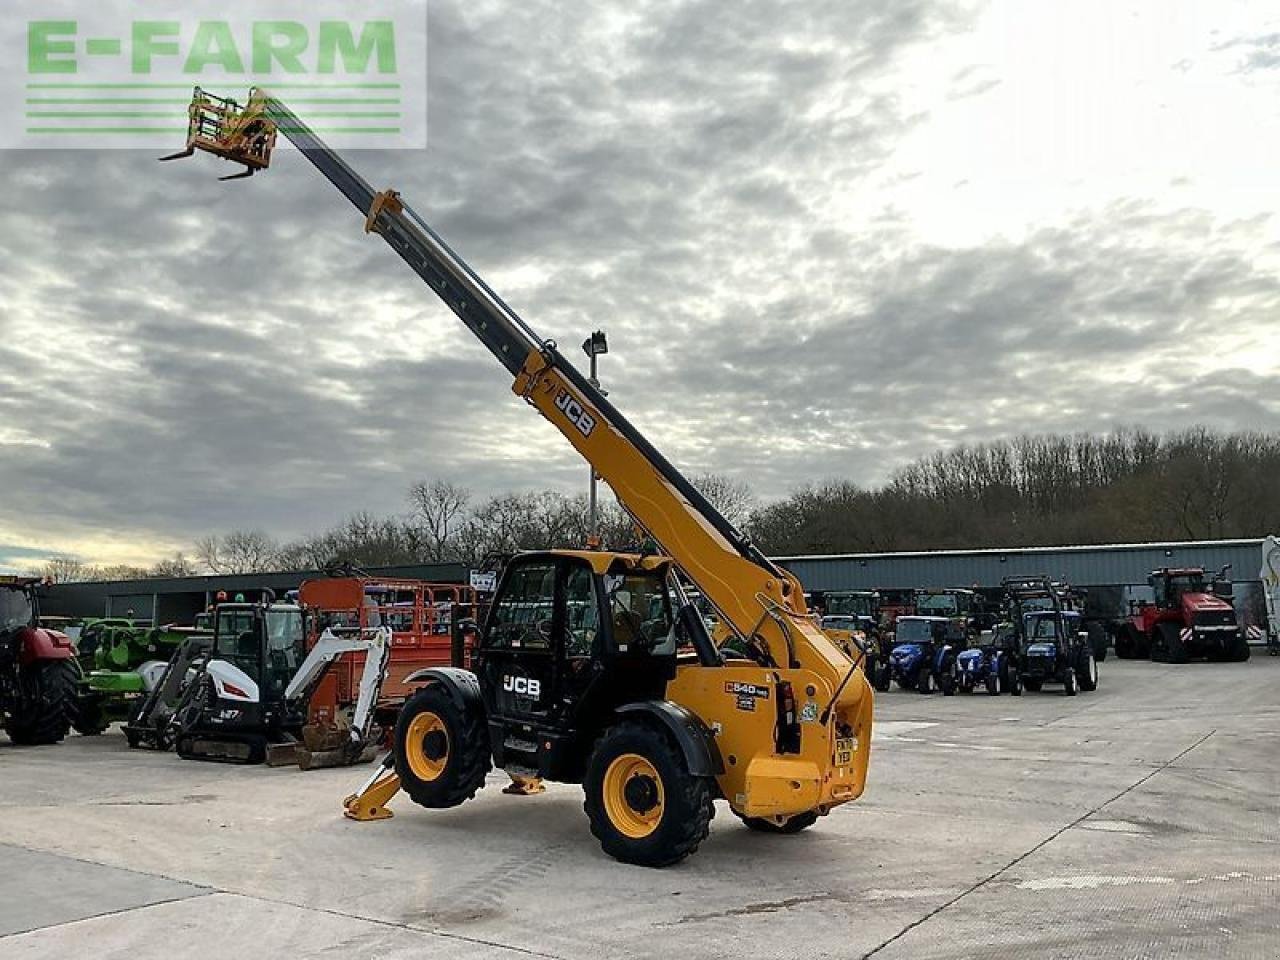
(121, 663)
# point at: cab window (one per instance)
(640, 611)
(582, 614)
(523, 613)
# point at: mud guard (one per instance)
(462, 685)
(38, 643)
(695, 740)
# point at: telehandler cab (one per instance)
(578, 674)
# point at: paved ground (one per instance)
(1140, 821)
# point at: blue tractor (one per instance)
(1057, 650)
(993, 665)
(922, 655)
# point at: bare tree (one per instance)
(439, 510)
(119, 571)
(62, 568)
(175, 566)
(733, 498)
(240, 551)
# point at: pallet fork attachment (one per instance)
(219, 126)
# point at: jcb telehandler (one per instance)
(593, 667)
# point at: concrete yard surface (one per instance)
(1142, 820)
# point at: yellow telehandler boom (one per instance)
(786, 718)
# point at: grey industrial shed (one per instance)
(1087, 566)
(179, 599)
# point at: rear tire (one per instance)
(441, 750)
(947, 680)
(884, 677)
(1070, 687)
(1015, 682)
(47, 702)
(993, 682)
(644, 805)
(801, 821)
(1129, 643)
(1098, 641)
(1087, 670)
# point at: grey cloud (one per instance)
(212, 355)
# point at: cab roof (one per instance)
(606, 561)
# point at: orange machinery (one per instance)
(422, 617)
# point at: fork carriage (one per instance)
(219, 125)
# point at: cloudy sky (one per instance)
(825, 237)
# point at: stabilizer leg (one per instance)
(370, 801)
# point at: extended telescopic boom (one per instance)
(755, 597)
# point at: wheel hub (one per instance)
(641, 793)
(435, 745)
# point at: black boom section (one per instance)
(497, 326)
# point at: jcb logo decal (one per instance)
(523, 685)
(572, 409)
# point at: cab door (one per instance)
(518, 662)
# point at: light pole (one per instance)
(593, 346)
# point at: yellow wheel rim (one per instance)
(426, 746)
(633, 796)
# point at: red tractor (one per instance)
(38, 672)
(1189, 617)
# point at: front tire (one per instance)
(1238, 650)
(47, 703)
(1069, 685)
(644, 805)
(924, 681)
(441, 750)
(90, 719)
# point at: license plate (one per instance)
(844, 751)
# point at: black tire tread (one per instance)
(468, 744)
(54, 682)
(683, 835)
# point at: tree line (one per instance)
(1128, 486)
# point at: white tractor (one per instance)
(1270, 575)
